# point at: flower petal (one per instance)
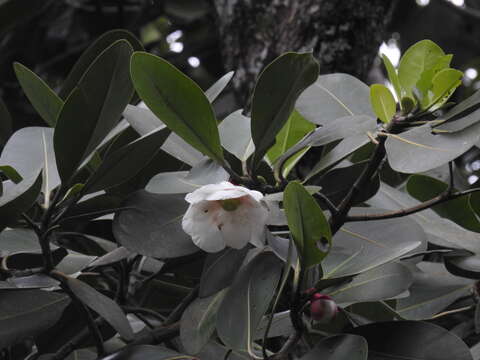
(200, 223)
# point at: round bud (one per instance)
(322, 308)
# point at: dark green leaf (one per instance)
(198, 322)
(432, 291)
(126, 162)
(277, 89)
(152, 225)
(220, 269)
(308, 225)
(177, 101)
(93, 108)
(28, 313)
(103, 306)
(339, 347)
(247, 300)
(458, 210)
(90, 55)
(413, 340)
(43, 99)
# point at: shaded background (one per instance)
(206, 38)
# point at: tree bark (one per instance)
(343, 35)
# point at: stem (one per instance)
(176, 314)
(444, 197)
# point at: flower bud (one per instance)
(322, 308)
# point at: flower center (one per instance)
(230, 204)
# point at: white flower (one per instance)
(223, 215)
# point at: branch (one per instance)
(444, 197)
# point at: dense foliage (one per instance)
(362, 256)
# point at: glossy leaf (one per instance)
(361, 246)
(213, 91)
(126, 162)
(152, 225)
(339, 347)
(429, 150)
(307, 223)
(277, 89)
(414, 340)
(102, 305)
(235, 135)
(381, 283)
(27, 313)
(93, 108)
(177, 101)
(247, 301)
(419, 57)
(444, 84)
(425, 83)
(383, 102)
(43, 99)
(30, 148)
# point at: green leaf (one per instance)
(383, 102)
(235, 135)
(308, 225)
(198, 322)
(213, 91)
(277, 89)
(220, 269)
(293, 131)
(428, 149)
(247, 301)
(444, 84)
(126, 162)
(339, 347)
(364, 245)
(27, 313)
(178, 102)
(424, 188)
(334, 96)
(11, 173)
(392, 76)
(415, 340)
(102, 305)
(43, 99)
(90, 55)
(424, 84)
(151, 225)
(93, 108)
(381, 283)
(419, 57)
(18, 198)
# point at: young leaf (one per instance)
(444, 84)
(93, 108)
(419, 57)
(102, 305)
(383, 102)
(392, 76)
(293, 131)
(277, 89)
(43, 99)
(308, 225)
(424, 84)
(177, 101)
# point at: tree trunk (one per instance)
(343, 35)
